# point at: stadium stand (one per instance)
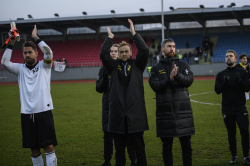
(78, 53)
(234, 41)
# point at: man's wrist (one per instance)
(36, 38)
(133, 33)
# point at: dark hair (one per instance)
(235, 54)
(165, 41)
(243, 55)
(30, 44)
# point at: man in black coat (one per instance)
(233, 83)
(102, 86)
(127, 114)
(170, 80)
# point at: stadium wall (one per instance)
(92, 72)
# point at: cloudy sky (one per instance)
(13, 9)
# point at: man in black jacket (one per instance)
(102, 86)
(243, 63)
(233, 83)
(127, 114)
(170, 80)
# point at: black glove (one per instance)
(226, 76)
(238, 77)
(105, 74)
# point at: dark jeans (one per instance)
(241, 118)
(138, 144)
(108, 147)
(185, 146)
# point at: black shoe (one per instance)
(106, 163)
(246, 161)
(234, 160)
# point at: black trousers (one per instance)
(108, 147)
(231, 117)
(185, 146)
(138, 144)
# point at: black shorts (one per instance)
(38, 130)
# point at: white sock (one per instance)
(51, 159)
(37, 161)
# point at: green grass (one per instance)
(77, 117)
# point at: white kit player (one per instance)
(36, 103)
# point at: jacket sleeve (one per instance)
(156, 84)
(220, 85)
(11, 67)
(105, 57)
(244, 84)
(142, 52)
(101, 82)
(186, 78)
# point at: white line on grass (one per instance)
(205, 102)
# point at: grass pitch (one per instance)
(77, 117)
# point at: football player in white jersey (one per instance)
(36, 103)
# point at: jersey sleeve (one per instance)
(48, 54)
(11, 67)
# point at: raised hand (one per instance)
(111, 35)
(245, 67)
(34, 33)
(173, 73)
(226, 76)
(238, 77)
(132, 28)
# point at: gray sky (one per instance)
(13, 9)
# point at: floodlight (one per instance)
(141, 9)
(202, 6)
(171, 8)
(84, 13)
(112, 11)
(56, 14)
(30, 16)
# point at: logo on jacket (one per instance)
(186, 71)
(162, 71)
(119, 67)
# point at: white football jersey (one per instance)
(34, 85)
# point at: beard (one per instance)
(170, 54)
(230, 63)
(29, 61)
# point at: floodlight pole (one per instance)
(162, 21)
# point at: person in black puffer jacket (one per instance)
(170, 80)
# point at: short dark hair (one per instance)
(235, 54)
(243, 55)
(165, 41)
(30, 44)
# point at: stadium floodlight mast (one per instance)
(56, 15)
(233, 4)
(112, 11)
(142, 10)
(84, 13)
(221, 6)
(202, 6)
(171, 8)
(30, 16)
(162, 21)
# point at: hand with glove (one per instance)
(226, 76)
(238, 77)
